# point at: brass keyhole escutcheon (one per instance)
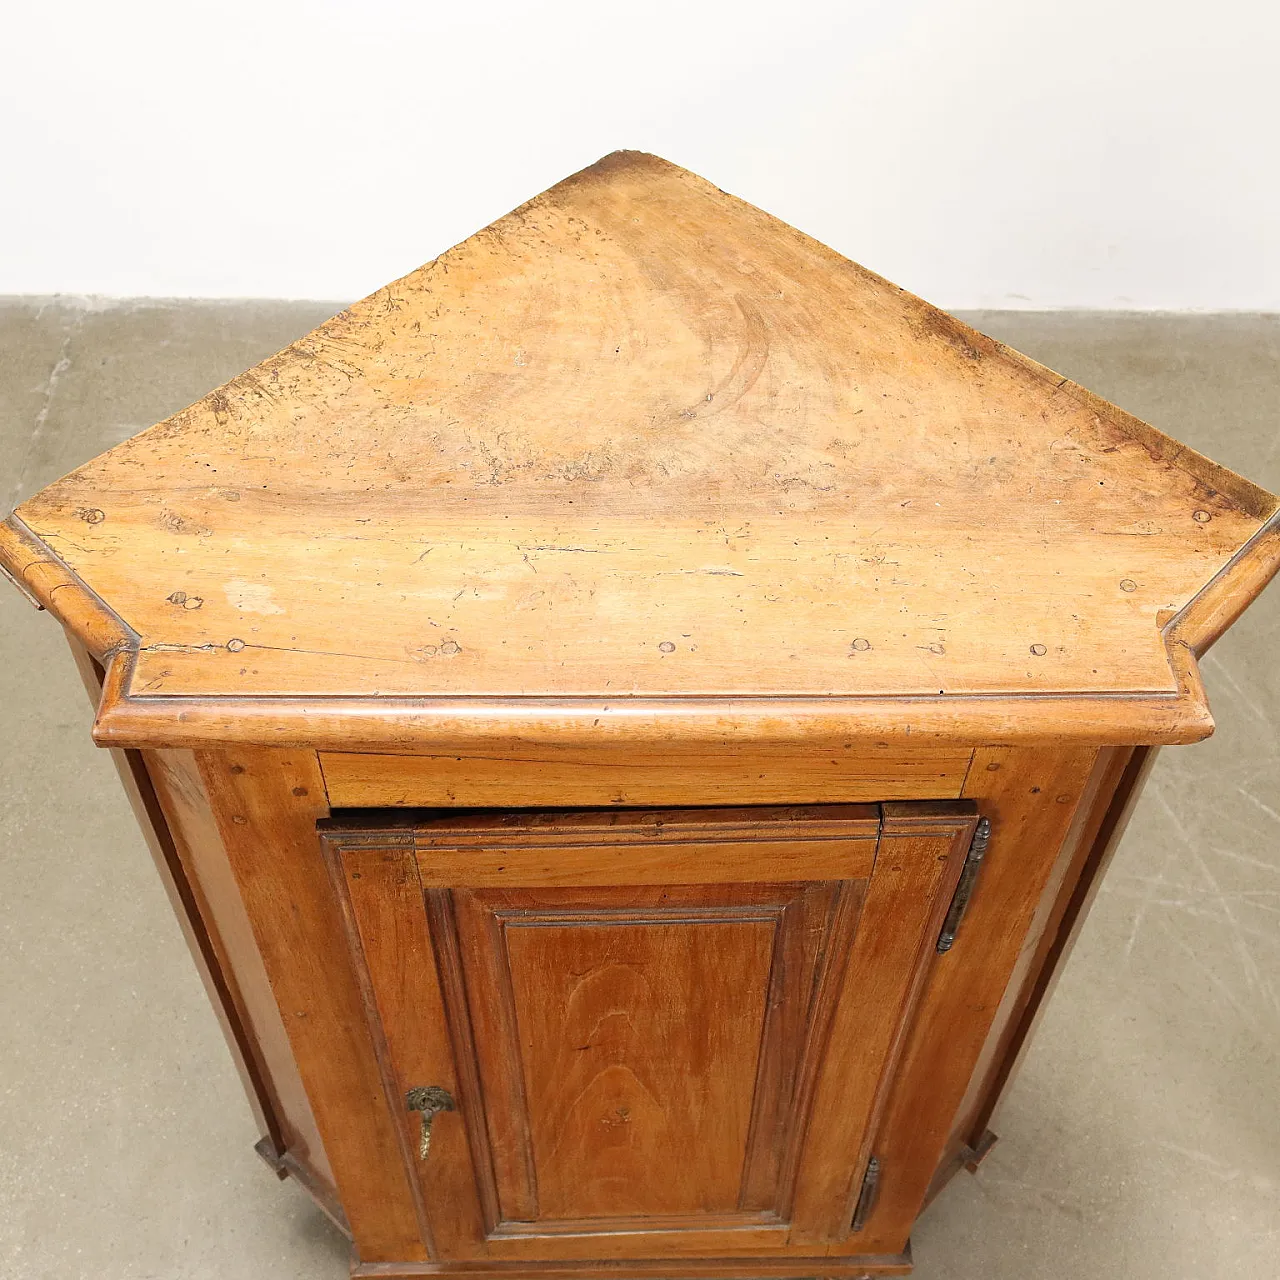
(429, 1100)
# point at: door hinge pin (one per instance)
(964, 889)
(868, 1196)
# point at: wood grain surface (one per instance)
(639, 1037)
(638, 439)
(521, 773)
(1031, 797)
(681, 1066)
(265, 800)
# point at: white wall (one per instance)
(1082, 153)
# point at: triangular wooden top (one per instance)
(639, 458)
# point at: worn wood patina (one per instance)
(631, 718)
(640, 459)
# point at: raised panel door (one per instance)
(661, 1032)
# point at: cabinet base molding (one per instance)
(849, 1268)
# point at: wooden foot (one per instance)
(979, 1153)
(284, 1165)
(273, 1159)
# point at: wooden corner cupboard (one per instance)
(631, 718)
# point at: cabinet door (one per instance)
(660, 1033)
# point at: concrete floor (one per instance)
(1142, 1139)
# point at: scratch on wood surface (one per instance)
(635, 372)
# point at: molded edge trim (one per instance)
(1200, 623)
(49, 583)
(409, 725)
(404, 725)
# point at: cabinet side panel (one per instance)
(1101, 820)
(266, 804)
(164, 838)
(1031, 796)
(182, 796)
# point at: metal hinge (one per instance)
(964, 890)
(868, 1196)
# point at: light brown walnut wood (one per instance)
(639, 1037)
(271, 800)
(173, 811)
(381, 897)
(1100, 821)
(757, 774)
(922, 849)
(640, 1064)
(1031, 797)
(185, 802)
(638, 440)
(566, 685)
(653, 847)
